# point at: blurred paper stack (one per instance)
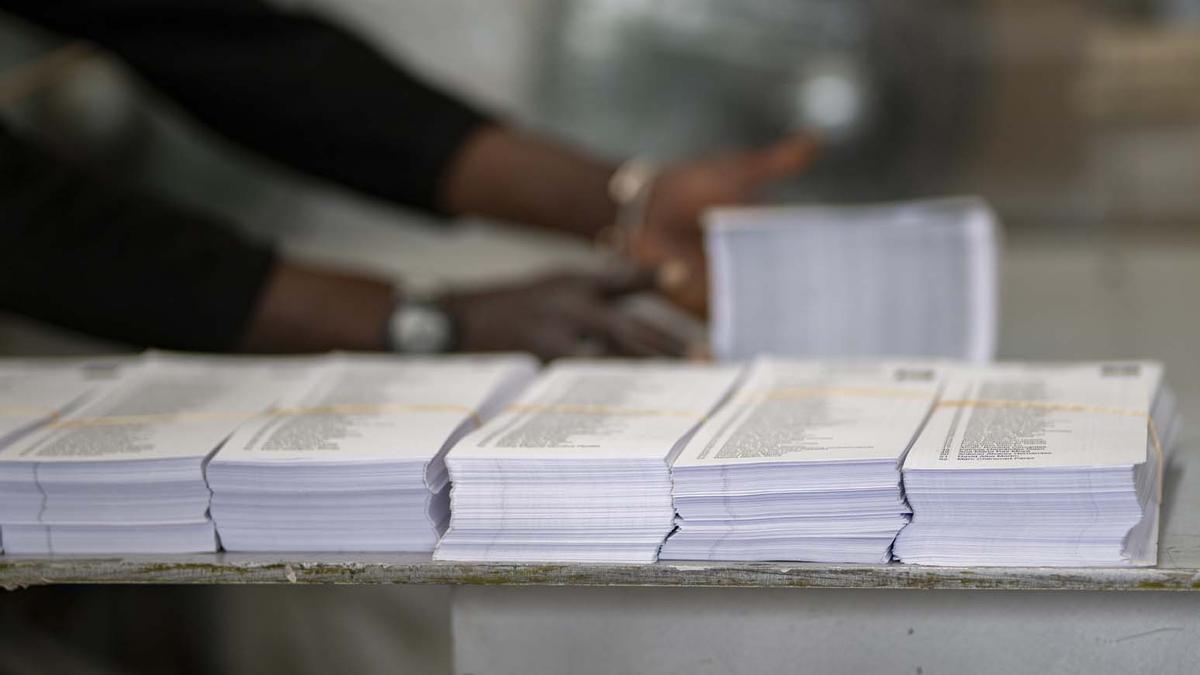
(578, 468)
(803, 464)
(355, 460)
(913, 279)
(1041, 465)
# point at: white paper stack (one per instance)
(578, 468)
(803, 464)
(124, 473)
(1050, 465)
(30, 397)
(914, 279)
(355, 462)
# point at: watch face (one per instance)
(420, 329)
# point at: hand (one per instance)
(671, 239)
(560, 315)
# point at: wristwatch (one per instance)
(421, 325)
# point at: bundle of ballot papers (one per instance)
(124, 472)
(1041, 465)
(911, 279)
(802, 464)
(354, 460)
(32, 396)
(578, 469)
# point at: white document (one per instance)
(354, 460)
(789, 411)
(577, 468)
(910, 279)
(583, 410)
(172, 408)
(30, 398)
(371, 409)
(802, 464)
(1014, 416)
(133, 458)
(1052, 464)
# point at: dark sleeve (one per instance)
(116, 263)
(286, 85)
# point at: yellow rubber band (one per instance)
(208, 416)
(601, 409)
(783, 393)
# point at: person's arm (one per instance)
(289, 86)
(311, 95)
(86, 254)
(566, 314)
(521, 177)
(97, 257)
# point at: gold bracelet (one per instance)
(629, 188)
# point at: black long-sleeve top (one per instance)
(82, 252)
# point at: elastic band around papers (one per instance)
(335, 409)
(27, 410)
(373, 408)
(601, 409)
(118, 420)
(1155, 440)
(783, 393)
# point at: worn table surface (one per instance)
(230, 568)
(1060, 302)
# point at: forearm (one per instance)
(506, 174)
(307, 309)
(285, 84)
(117, 263)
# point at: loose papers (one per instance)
(1041, 465)
(578, 468)
(354, 461)
(802, 464)
(125, 473)
(907, 279)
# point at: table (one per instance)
(1062, 300)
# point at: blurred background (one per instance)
(1074, 118)
(1078, 119)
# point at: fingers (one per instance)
(780, 160)
(556, 342)
(619, 333)
(625, 279)
(584, 322)
(674, 276)
(626, 336)
(599, 331)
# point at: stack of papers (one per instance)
(803, 464)
(1041, 466)
(578, 468)
(915, 279)
(355, 461)
(31, 397)
(124, 473)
